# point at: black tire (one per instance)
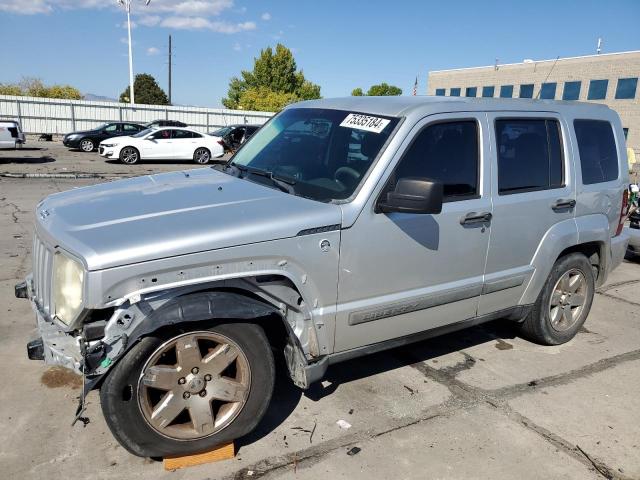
(129, 155)
(87, 145)
(202, 156)
(119, 395)
(538, 325)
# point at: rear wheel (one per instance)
(190, 391)
(202, 156)
(564, 303)
(87, 145)
(129, 155)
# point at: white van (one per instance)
(11, 134)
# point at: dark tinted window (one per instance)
(526, 91)
(162, 135)
(182, 134)
(454, 92)
(446, 152)
(597, 89)
(127, 127)
(111, 128)
(571, 91)
(487, 92)
(506, 91)
(529, 155)
(597, 147)
(626, 88)
(548, 91)
(195, 135)
(440, 92)
(471, 92)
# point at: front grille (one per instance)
(42, 271)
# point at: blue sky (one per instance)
(339, 44)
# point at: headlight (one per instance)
(73, 136)
(108, 145)
(68, 277)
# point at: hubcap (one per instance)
(194, 385)
(202, 156)
(129, 155)
(87, 145)
(568, 298)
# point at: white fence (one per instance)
(50, 115)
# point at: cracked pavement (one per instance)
(480, 403)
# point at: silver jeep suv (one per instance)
(342, 227)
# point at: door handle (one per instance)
(473, 218)
(563, 204)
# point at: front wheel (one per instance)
(202, 156)
(190, 391)
(87, 145)
(129, 155)
(564, 303)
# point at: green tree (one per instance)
(64, 91)
(384, 90)
(275, 75)
(10, 89)
(357, 92)
(33, 87)
(264, 99)
(147, 91)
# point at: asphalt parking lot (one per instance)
(481, 403)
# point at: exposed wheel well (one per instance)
(594, 251)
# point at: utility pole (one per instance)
(170, 69)
(127, 6)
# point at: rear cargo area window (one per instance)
(529, 155)
(598, 154)
(446, 152)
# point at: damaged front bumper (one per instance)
(49, 342)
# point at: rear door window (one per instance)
(529, 155)
(447, 152)
(598, 154)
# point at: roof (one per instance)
(398, 106)
(531, 61)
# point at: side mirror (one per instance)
(413, 195)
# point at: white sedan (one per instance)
(169, 143)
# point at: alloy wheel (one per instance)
(202, 156)
(86, 145)
(129, 155)
(567, 301)
(194, 385)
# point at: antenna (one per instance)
(547, 78)
(599, 48)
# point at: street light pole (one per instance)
(127, 5)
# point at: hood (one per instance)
(152, 217)
(118, 140)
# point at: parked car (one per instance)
(232, 136)
(165, 123)
(162, 144)
(171, 291)
(11, 134)
(89, 140)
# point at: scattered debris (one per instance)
(351, 411)
(315, 424)
(411, 390)
(343, 424)
(532, 383)
(354, 451)
(502, 345)
(249, 472)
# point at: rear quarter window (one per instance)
(598, 154)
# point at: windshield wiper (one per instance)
(284, 184)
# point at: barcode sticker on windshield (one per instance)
(365, 122)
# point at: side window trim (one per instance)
(478, 122)
(563, 156)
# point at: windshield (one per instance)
(221, 132)
(142, 133)
(323, 154)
